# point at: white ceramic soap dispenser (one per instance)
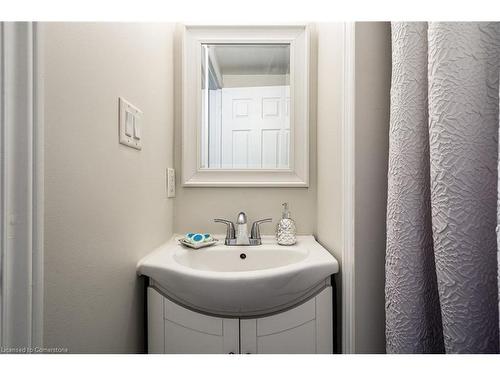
(286, 231)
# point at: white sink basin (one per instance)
(227, 258)
(240, 280)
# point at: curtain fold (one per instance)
(442, 289)
(498, 213)
(413, 316)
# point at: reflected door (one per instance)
(255, 124)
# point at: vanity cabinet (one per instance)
(304, 329)
(176, 330)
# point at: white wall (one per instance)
(329, 148)
(373, 79)
(373, 70)
(105, 204)
(195, 208)
(100, 220)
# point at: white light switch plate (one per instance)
(129, 124)
(170, 182)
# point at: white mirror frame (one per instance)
(298, 173)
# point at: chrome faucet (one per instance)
(239, 237)
(242, 230)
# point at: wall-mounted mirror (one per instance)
(245, 106)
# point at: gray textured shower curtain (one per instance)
(442, 288)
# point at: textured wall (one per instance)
(105, 204)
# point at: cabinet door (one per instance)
(156, 341)
(305, 329)
(186, 332)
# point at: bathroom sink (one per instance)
(239, 280)
(238, 259)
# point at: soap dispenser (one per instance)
(286, 231)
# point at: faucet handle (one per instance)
(230, 233)
(255, 232)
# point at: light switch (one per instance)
(170, 182)
(137, 129)
(129, 124)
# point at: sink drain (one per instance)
(243, 256)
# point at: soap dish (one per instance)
(198, 245)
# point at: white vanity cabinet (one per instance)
(304, 329)
(176, 330)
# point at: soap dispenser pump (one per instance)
(286, 231)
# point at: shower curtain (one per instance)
(442, 260)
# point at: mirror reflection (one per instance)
(245, 106)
